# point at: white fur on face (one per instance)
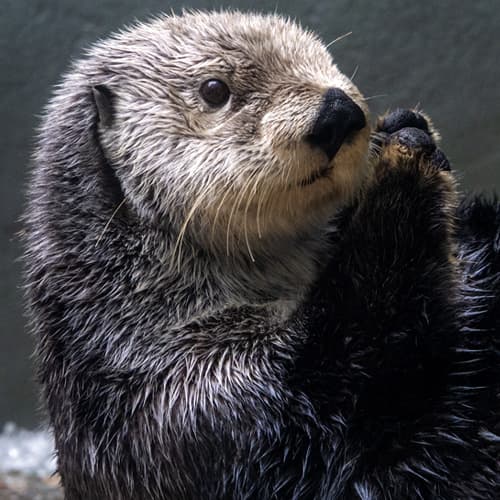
(240, 166)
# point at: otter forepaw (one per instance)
(407, 136)
(406, 118)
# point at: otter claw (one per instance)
(438, 159)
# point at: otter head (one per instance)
(228, 122)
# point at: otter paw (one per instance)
(406, 135)
(414, 143)
(403, 118)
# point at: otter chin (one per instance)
(203, 328)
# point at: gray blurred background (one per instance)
(442, 55)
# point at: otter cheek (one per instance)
(351, 167)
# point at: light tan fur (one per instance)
(236, 171)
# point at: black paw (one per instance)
(414, 138)
(402, 118)
(407, 133)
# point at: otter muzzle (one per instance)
(338, 118)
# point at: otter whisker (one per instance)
(292, 172)
(259, 230)
(115, 211)
(369, 98)
(249, 184)
(176, 253)
(261, 203)
(236, 205)
(268, 191)
(249, 200)
(226, 189)
(341, 37)
(228, 225)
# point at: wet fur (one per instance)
(355, 358)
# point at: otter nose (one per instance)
(339, 116)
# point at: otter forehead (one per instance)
(268, 43)
(251, 50)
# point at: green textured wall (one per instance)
(443, 55)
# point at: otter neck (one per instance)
(278, 270)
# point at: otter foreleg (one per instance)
(386, 356)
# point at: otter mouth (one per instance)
(315, 176)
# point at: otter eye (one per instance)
(215, 92)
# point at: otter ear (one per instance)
(103, 99)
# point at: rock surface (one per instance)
(27, 465)
(17, 486)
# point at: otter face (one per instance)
(230, 120)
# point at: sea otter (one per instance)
(239, 290)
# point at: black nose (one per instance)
(339, 116)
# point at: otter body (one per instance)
(233, 298)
